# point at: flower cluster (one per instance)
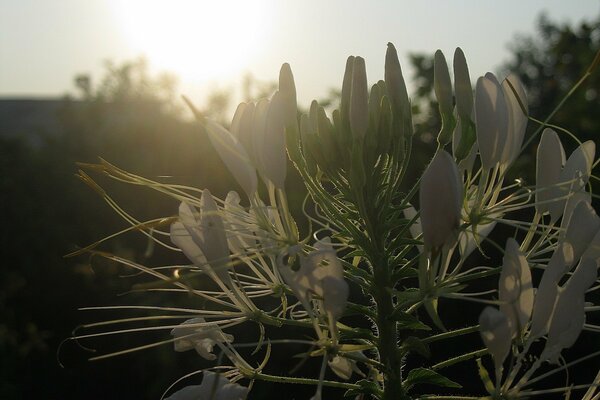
(381, 252)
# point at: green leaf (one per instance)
(366, 387)
(408, 321)
(426, 376)
(414, 345)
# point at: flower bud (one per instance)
(397, 91)
(462, 86)
(347, 90)
(491, 120)
(242, 127)
(515, 97)
(269, 140)
(287, 91)
(440, 196)
(234, 156)
(443, 92)
(359, 100)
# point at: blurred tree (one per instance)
(550, 63)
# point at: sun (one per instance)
(200, 40)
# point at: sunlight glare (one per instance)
(197, 40)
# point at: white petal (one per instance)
(214, 245)
(242, 127)
(335, 296)
(217, 387)
(579, 164)
(545, 297)
(515, 288)
(550, 159)
(181, 238)
(583, 225)
(415, 229)
(270, 141)
(342, 367)
(569, 315)
(236, 229)
(496, 334)
(233, 155)
(197, 334)
(469, 238)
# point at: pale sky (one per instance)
(210, 44)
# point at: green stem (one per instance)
(388, 334)
(461, 358)
(301, 381)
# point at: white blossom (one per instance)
(197, 334)
(213, 387)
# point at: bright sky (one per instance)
(210, 44)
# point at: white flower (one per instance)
(344, 367)
(205, 238)
(496, 334)
(440, 196)
(515, 288)
(197, 334)
(320, 273)
(214, 387)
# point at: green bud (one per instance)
(397, 91)
(346, 91)
(287, 91)
(443, 92)
(359, 100)
(462, 86)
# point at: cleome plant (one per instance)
(366, 287)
